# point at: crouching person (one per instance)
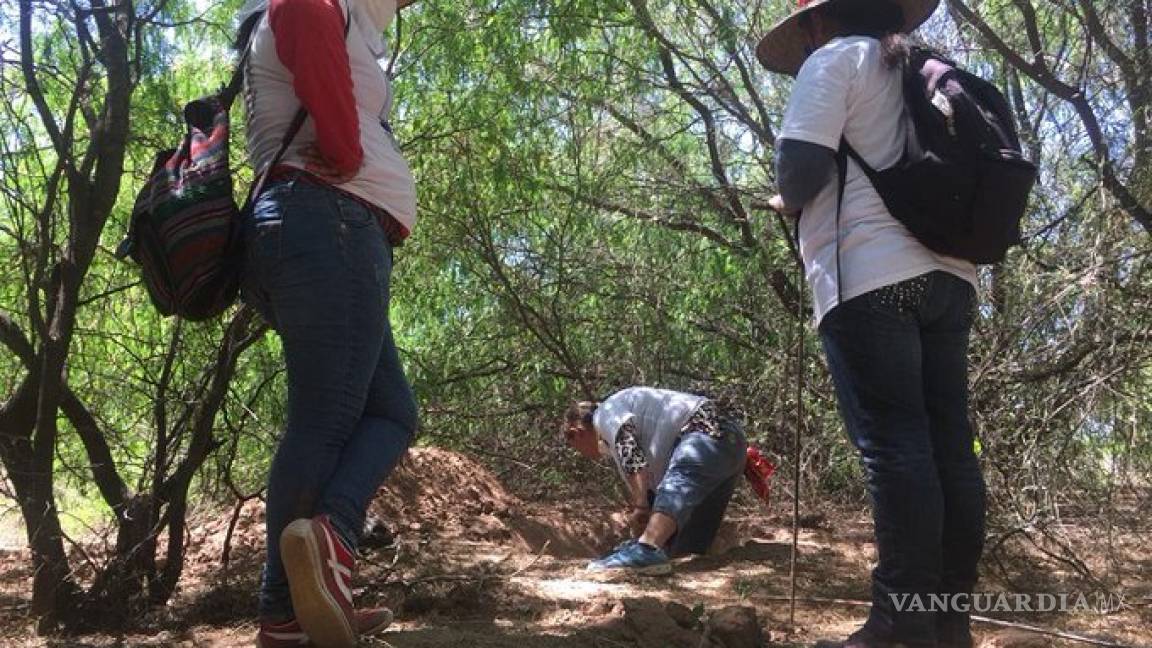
(681, 458)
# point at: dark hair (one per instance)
(578, 414)
(879, 19)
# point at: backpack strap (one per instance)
(257, 187)
(229, 92)
(842, 175)
(847, 150)
(293, 128)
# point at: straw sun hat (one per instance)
(783, 48)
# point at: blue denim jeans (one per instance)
(317, 268)
(899, 360)
(701, 477)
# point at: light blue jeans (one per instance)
(317, 268)
(702, 475)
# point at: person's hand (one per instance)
(777, 204)
(638, 520)
(318, 165)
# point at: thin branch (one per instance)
(656, 219)
(739, 214)
(32, 86)
(1048, 632)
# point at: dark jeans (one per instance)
(318, 268)
(899, 359)
(701, 477)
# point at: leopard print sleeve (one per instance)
(632, 457)
(705, 420)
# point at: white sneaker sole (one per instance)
(663, 569)
(613, 573)
(318, 612)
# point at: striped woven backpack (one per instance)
(184, 231)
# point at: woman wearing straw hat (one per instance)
(894, 317)
(319, 247)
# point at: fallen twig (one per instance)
(979, 619)
(479, 578)
(539, 555)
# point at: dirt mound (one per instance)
(633, 622)
(239, 535)
(433, 494)
(437, 486)
(440, 493)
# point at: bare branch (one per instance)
(737, 212)
(32, 86)
(656, 219)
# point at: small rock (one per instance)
(603, 608)
(813, 521)
(682, 615)
(652, 627)
(736, 627)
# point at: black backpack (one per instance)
(962, 187)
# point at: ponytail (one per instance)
(895, 48)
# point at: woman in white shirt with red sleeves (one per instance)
(318, 262)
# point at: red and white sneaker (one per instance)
(373, 621)
(290, 635)
(319, 569)
(281, 635)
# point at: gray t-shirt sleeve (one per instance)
(803, 169)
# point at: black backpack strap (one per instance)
(258, 186)
(229, 92)
(846, 149)
(842, 181)
(293, 128)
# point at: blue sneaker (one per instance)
(623, 545)
(637, 558)
(620, 547)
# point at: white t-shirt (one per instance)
(844, 88)
(659, 416)
(384, 178)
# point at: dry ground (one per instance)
(465, 563)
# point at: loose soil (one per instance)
(464, 562)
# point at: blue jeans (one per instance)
(317, 268)
(899, 360)
(701, 477)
